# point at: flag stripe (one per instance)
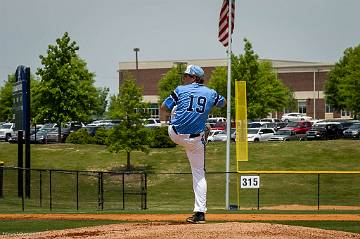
(224, 22)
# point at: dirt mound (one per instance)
(182, 230)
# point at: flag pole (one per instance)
(228, 110)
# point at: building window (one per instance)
(345, 113)
(302, 106)
(153, 110)
(328, 108)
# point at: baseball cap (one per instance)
(194, 70)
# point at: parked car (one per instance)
(105, 122)
(7, 131)
(212, 133)
(40, 137)
(295, 116)
(152, 122)
(33, 130)
(218, 126)
(213, 121)
(300, 127)
(260, 134)
(271, 120)
(347, 123)
(261, 124)
(49, 125)
(53, 135)
(280, 125)
(222, 135)
(74, 126)
(287, 135)
(352, 132)
(325, 130)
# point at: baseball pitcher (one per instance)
(191, 104)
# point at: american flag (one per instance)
(224, 22)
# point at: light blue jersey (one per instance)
(194, 103)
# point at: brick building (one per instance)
(305, 79)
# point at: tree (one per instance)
(265, 92)
(66, 90)
(6, 98)
(130, 134)
(342, 89)
(170, 81)
(102, 94)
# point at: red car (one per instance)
(300, 127)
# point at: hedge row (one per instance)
(158, 135)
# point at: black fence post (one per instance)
(20, 164)
(50, 189)
(100, 191)
(77, 190)
(40, 188)
(1, 178)
(123, 190)
(145, 192)
(22, 200)
(318, 191)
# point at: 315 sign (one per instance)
(250, 181)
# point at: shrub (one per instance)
(160, 138)
(101, 135)
(80, 136)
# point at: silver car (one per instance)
(260, 134)
(287, 135)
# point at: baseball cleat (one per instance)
(198, 217)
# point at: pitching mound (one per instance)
(181, 230)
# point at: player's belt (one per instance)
(190, 136)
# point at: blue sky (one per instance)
(107, 31)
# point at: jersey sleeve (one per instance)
(219, 100)
(171, 100)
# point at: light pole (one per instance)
(136, 61)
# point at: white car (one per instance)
(271, 120)
(212, 134)
(7, 131)
(151, 122)
(260, 134)
(295, 116)
(219, 136)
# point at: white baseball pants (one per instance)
(195, 151)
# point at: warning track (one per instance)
(181, 217)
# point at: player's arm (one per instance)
(170, 101)
(225, 102)
(220, 100)
(164, 107)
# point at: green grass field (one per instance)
(170, 191)
(169, 178)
